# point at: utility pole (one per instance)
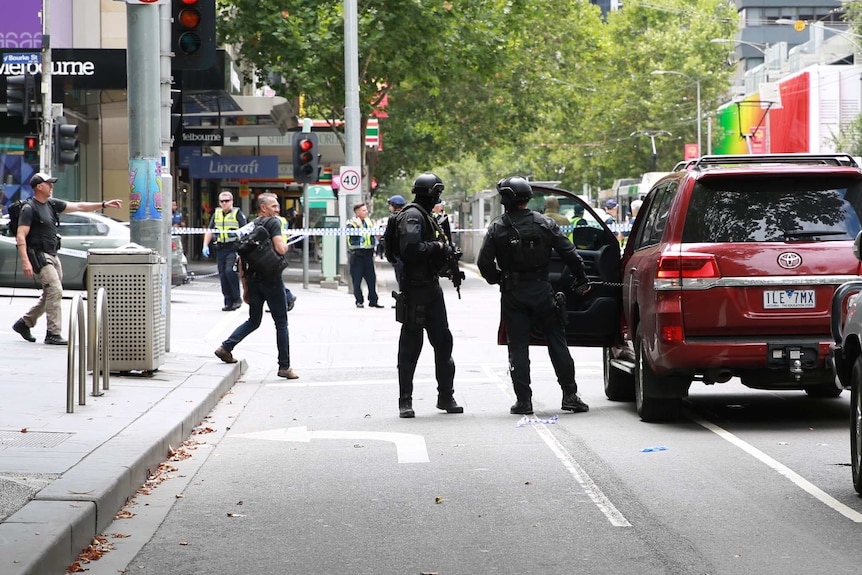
(45, 155)
(352, 118)
(146, 205)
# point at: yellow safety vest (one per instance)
(225, 222)
(575, 222)
(285, 225)
(366, 241)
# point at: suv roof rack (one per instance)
(800, 159)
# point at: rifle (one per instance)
(450, 268)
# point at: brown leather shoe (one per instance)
(287, 373)
(224, 355)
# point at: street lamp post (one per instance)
(699, 116)
(652, 134)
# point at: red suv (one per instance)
(728, 271)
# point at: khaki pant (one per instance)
(51, 300)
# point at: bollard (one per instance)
(77, 333)
(100, 343)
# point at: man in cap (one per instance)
(37, 243)
(612, 209)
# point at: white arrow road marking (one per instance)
(411, 448)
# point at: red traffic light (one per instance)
(305, 145)
(31, 144)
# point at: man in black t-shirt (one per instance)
(258, 290)
(38, 243)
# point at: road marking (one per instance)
(410, 447)
(608, 509)
(370, 382)
(800, 481)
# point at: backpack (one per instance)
(258, 254)
(390, 240)
(14, 213)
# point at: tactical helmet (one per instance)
(428, 185)
(514, 190)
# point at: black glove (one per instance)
(581, 286)
(445, 251)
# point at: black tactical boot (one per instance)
(522, 408)
(447, 403)
(573, 402)
(405, 408)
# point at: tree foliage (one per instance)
(483, 89)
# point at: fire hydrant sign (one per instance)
(351, 179)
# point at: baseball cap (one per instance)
(610, 204)
(40, 177)
(397, 200)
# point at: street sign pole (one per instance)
(46, 161)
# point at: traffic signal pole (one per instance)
(45, 157)
(146, 205)
(352, 118)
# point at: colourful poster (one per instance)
(145, 189)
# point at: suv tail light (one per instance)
(686, 271)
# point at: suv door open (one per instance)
(593, 320)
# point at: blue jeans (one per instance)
(272, 292)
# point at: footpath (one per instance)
(64, 476)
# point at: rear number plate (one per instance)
(789, 299)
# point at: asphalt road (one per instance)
(320, 476)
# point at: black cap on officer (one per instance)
(513, 191)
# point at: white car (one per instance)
(81, 231)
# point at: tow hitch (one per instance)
(795, 359)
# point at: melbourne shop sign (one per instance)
(233, 167)
(202, 137)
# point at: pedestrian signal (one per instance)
(31, 150)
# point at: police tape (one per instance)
(360, 231)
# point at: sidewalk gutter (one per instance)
(48, 533)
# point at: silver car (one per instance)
(81, 231)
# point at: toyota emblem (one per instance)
(790, 260)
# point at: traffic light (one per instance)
(66, 143)
(193, 34)
(20, 96)
(305, 157)
(31, 150)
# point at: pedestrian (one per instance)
(439, 212)
(612, 208)
(396, 204)
(515, 253)
(226, 219)
(361, 248)
(177, 218)
(422, 247)
(38, 243)
(552, 210)
(258, 290)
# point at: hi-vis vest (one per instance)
(576, 221)
(225, 222)
(285, 225)
(365, 242)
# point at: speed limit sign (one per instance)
(351, 179)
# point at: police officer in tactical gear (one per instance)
(515, 254)
(423, 250)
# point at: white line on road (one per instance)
(410, 447)
(800, 481)
(608, 509)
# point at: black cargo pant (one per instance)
(425, 302)
(530, 305)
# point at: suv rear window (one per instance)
(774, 209)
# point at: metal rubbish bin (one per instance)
(134, 278)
